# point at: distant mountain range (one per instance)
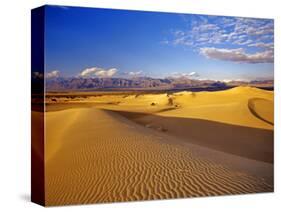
(142, 83)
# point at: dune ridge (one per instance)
(104, 157)
(228, 106)
(262, 109)
(223, 137)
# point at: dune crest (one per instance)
(262, 109)
(229, 106)
(218, 136)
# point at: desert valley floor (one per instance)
(121, 147)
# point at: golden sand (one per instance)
(155, 146)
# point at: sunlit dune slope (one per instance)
(262, 109)
(234, 106)
(229, 106)
(98, 156)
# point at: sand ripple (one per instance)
(103, 157)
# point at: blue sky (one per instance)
(87, 42)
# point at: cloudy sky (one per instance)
(84, 42)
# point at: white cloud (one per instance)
(53, 74)
(242, 42)
(236, 80)
(248, 33)
(268, 37)
(226, 80)
(189, 75)
(205, 27)
(135, 73)
(238, 55)
(193, 74)
(261, 30)
(263, 45)
(37, 75)
(98, 72)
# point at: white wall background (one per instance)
(15, 103)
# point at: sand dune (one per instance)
(262, 109)
(123, 147)
(257, 143)
(37, 128)
(101, 156)
(228, 106)
(37, 157)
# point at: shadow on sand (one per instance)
(252, 143)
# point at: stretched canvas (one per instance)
(137, 105)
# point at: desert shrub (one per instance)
(170, 101)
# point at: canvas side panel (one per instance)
(37, 106)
